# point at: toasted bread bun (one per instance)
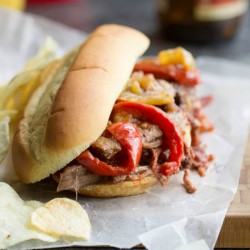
(124, 188)
(71, 108)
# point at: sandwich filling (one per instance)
(154, 129)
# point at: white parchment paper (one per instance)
(163, 218)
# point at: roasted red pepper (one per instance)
(130, 139)
(187, 77)
(172, 140)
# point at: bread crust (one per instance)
(73, 108)
(121, 189)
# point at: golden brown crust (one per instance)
(80, 112)
(59, 129)
(124, 188)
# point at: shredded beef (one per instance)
(146, 157)
(201, 159)
(151, 135)
(106, 148)
(139, 173)
(187, 100)
(75, 177)
(189, 186)
(156, 168)
(188, 159)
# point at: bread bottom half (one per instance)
(121, 189)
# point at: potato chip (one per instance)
(21, 221)
(45, 55)
(15, 95)
(15, 219)
(4, 135)
(30, 74)
(64, 218)
(8, 113)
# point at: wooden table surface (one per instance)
(85, 15)
(235, 231)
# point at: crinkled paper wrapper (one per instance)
(164, 218)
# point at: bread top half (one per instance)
(71, 108)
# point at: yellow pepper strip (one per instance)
(177, 56)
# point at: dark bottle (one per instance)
(201, 20)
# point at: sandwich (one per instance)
(103, 124)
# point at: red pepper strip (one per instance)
(187, 77)
(130, 139)
(169, 168)
(166, 169)
(140, 111)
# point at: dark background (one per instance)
(85, 15)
